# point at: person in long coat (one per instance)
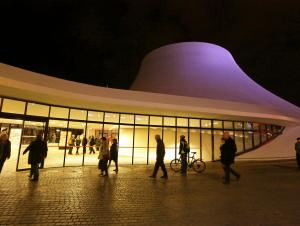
(228, 150)
(297, 149)
(84, 143)
(37, 153)
(183, 151)
(103, 157)
(113, 154)
(5, 149)
(160, 155)
(91, 144)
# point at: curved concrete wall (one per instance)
(204, 70)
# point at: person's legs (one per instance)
(2, 160)
(235, 173)
(77, 152)
(84, 149)
(226, 169)
(298, 159)
(183, 163)
(105, 167)
(116, 164)
(155, 169)
(35, 171)
(163, 168)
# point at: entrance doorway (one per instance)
(21, 133)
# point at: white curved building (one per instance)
(192, 88)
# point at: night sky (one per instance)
(103, 42)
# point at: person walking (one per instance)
(297, 149)
(5, 149)
(77, 142)
(37, 153)
(97, 143)
(84, 143)
(91, 144)
(113, 154)
(71, 143)
(103, 157)
(228, 150)
(183, 151)
(160, 154)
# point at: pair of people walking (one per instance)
(106, 154)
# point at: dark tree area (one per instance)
(103, 42)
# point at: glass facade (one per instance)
(65, 129)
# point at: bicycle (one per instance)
(197, 164)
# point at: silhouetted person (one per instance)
(71, 143)
(77, 142)
(103, 157)
(97, 143)
(160, 154)
(228, 150)
(91, 144)
(5, 149)
(113, 154)
(37, 152)
(84, 143)
(183, 151)
(297, 149)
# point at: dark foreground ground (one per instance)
(268, 194)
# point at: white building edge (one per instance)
(189, 79)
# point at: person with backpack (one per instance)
(37, 153)
(184, 149)
(228, 150)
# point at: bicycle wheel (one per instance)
(199, 166)
(175, 165)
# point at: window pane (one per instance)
(13, 106)
(111, 117)
(248, 140)
(194, 122)
(37, 109)
(256, 139)
(95, 116)
(155, 120)
(125, 144)
(141, 119)
(206, 145)
(206, 123)
(58, 112)
(78, 114)
(125, 118)
(218, 134)
(57, 135)
(239, 141)
(228, 125)
(255, 126)
(195, 141)
(93, 130)
(169, 140)
(182, 122)
(169, 121)
(140, 144)
(218, 124)
(248, 125)
(75, 134)
(152, 143)
(238, 125)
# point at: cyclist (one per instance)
(184, 149)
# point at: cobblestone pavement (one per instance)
(267, 194)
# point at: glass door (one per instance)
(30, 130)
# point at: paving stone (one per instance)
(268, 194)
